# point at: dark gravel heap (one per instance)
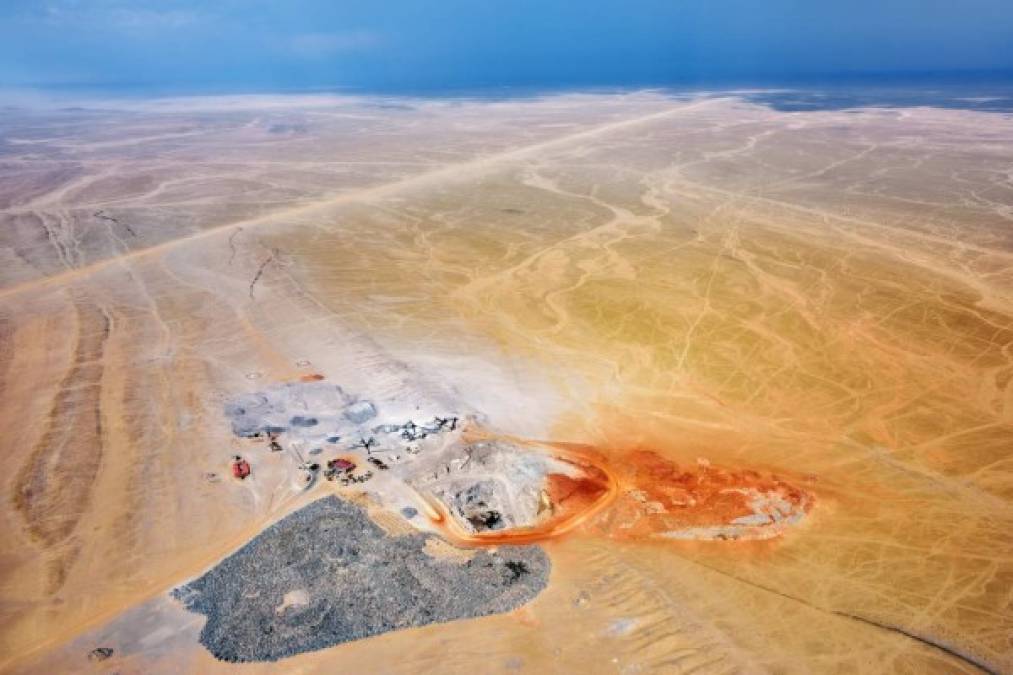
(359, 581)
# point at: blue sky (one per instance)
(418, 44)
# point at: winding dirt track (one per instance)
(466, 170)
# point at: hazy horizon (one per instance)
(181, 45)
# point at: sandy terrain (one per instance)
(821, 300)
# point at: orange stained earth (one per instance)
(659, 497)
(638, 494)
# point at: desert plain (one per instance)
(706, 289)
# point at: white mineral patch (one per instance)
(511, 393)
(620, 627)
(771, 514)
(485, 486)
(296, 598)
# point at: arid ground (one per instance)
(820, 299)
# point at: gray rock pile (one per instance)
(306, 409)
(327, 574)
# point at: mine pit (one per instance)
(480, 488)
(485, 501)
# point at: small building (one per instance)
(341, 464)
(240, 469)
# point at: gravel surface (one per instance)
(327, 574)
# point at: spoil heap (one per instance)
(327, 574)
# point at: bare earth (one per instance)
(684, 293)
